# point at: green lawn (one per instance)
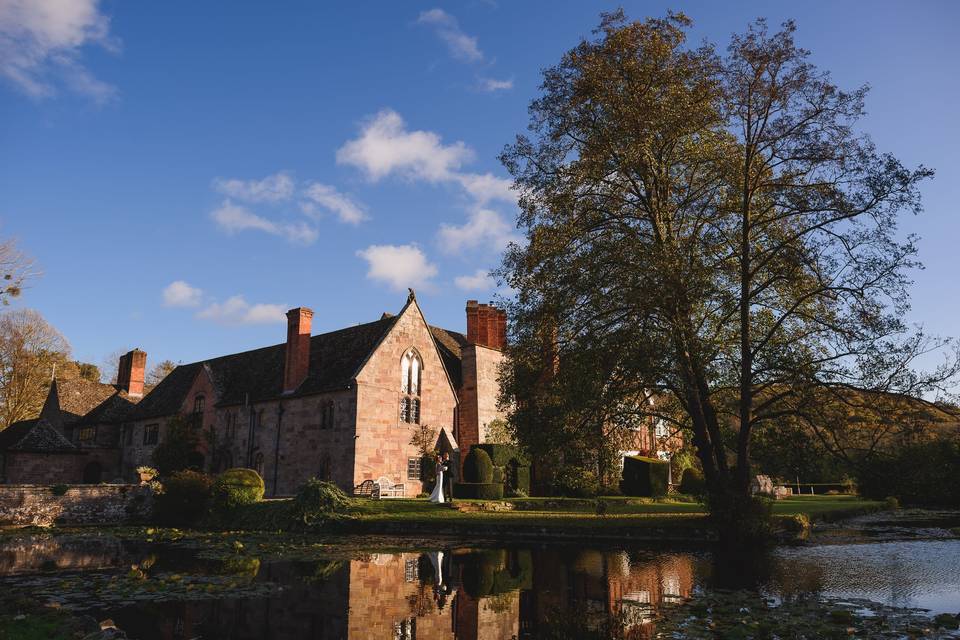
(621, 511)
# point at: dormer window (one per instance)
(411, 367)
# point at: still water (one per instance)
(453, 590)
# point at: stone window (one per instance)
(231, 430)
(413, 468)
(411, 367)
(258, 463)
(326, 414)
(87, 434)
(151, 434)
(198, 402)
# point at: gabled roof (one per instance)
(77, 401)
(37, 435)
(335, 360)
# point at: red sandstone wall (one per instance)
(383, 442)
(478, 395)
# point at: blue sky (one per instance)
(183, 172)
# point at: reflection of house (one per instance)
(397, 596)
(76, 437)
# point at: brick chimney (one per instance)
(130, 372)
(486, 325)
(297, 358)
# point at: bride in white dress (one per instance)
(437, 495)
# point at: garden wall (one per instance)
(37, 504)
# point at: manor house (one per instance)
(342, 406)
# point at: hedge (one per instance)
(647, 477)
(478, 490)
(510, 466)
(501, 454)
(185, 498)
(478, 468)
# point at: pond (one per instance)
(161, 586)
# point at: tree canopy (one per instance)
(709, 230)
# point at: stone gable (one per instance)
(383, 441)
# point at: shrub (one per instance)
(923, 474)
(741, 520)
(692, 482)
(184, 500)
(499, 475)
(478, 490)
(891, 503)
(235, 487)
(179, 448)
(576, 482)
(478, 468)
(646, 477)
(318, 501)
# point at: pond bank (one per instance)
(614, 519)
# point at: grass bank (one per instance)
(556, 518)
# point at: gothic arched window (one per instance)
(411, 368)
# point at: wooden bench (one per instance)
(386, 488)
(365, 489)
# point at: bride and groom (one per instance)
(443, 471)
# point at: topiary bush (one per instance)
(184, 499)
(478, 468)
(318, 501)
(647, 477)
(692, 482)
(235, 487)
(478, 490)
(576, 482)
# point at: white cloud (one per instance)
(485, 187)
(398, 266)
(181, 294)
(236, 310)
(481, 280)
(40, 44)
(276, 188)
(461, 46)
(492, 84)
(484, 227)
(234, 218)
(385, 147)
(328, 197)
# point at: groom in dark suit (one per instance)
(447, 477)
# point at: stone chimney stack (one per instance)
(131, 372)
(486, 325)
(297, 358)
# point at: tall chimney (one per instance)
(473, 320)
(130, 372)
(486, 325)
(297, 358)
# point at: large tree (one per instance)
(718, 229)
(30, 350)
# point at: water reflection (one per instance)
(465, 593)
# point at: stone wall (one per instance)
(35, 504)
(28, 467)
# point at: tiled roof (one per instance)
(88, 402)
(335, 359)
(34, 435)
(450, 345)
